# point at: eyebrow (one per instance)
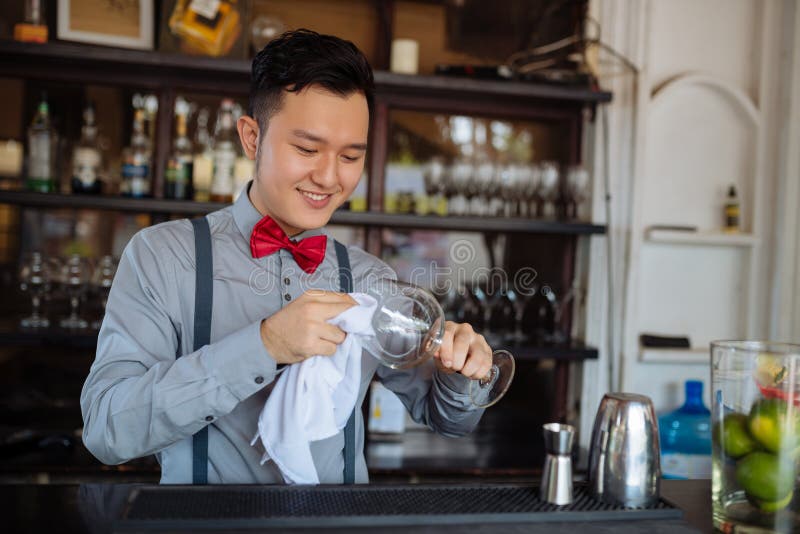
(303, 134)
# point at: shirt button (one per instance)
(287, 297)
(259, 380)
(209, 418)
(286, 281)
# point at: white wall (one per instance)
(705, 109)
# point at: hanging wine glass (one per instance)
(101, 283)
(74, 278)
(35, 277)
(577, 189)
(433, 177)
(409, 328)
(550, 188)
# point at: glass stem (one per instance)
(74, 303)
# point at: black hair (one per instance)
(300, 58)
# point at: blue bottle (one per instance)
(685, 436)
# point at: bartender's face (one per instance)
(310, 157)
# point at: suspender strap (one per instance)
(203, 300)
(346, 286)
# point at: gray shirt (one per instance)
(140, 399)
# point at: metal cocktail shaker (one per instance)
(556, 485)
(624, 462)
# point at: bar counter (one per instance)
(97, 508)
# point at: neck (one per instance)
(255, 200)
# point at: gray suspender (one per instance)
(203, 300)
(346, 286)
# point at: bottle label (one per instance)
(177, 171)
(205, 8)
(732, 216)
(223, 173)
(39, 157)
(684, 466)
(136, 179)
(86, 165)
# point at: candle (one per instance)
(405, 56)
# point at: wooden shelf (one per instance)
(698, 356)
(701, 238)
(348, 218)
(70, 62)
(12, 335)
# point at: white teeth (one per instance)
(313, 196)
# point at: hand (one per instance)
(463, 350)
(301, 329)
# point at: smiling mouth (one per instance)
(315, 196)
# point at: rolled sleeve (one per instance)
(440, 401)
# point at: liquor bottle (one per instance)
(179, 166)
(136, 160)
(242, 173)
(244, 167)
(87, 159)
(732, 211)
(685, 436)
(203, 162)
(42, 143)
(206, 27)
(224, 154)
(34, 29)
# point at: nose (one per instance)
(326, 173)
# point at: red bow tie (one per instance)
(268, 237)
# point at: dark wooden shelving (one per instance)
(106, 202)
(348, 218)
(77, 63)
(115, 66)
(12, 335)
(467, 224)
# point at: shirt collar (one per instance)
(246, 216)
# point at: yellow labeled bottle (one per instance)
(732, 212)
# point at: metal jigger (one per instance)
(556, 485)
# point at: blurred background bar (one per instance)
(546, 167)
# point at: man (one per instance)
(150, 389)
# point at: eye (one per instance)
(351, 159)
(305, 151)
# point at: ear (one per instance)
(248, 135)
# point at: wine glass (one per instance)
(35, 277)
(409, 327)
(74, 279)
(577, 188)
(101, 282)
(549, 191)
(433, 177)
(460, 176)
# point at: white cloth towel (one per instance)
(312, 400)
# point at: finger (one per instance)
(479, 360)
(445, 354)
(331, 333)
(461, 343)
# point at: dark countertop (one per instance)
(93, 507)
